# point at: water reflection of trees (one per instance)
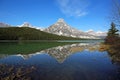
(113, 51)
(60, 53)
(115, 55)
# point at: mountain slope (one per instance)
(4, 25)
(98, 33)
(62, 28)
(27, 33)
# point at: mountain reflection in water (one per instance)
(60, 53)
(80, 61)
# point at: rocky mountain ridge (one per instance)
(62, 28)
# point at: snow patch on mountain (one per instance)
(62, 28)
(27, 24)
(4, 24)
(98, 33)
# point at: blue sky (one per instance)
(80, 14)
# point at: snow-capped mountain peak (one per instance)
(61, 24)
(25, 24)
(60, 20)
(62, 28)
(4, 24)
(96, 33)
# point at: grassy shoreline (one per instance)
(113, 51)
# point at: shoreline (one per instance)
(88, 40)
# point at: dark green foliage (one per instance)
(112, 35)
(113, 40)
(113, 31)
(26, 33)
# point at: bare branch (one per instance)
(116, 13)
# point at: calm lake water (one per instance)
(78, 61)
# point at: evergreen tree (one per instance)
(112, 35)
(113, 31)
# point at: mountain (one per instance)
(27, 33)
(4, 25)
(25, 24)
(98, 33)
(62, 28)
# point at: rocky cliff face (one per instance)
(62, 28)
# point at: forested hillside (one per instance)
(26, 33)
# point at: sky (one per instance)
(80, 14)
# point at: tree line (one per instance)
(27, 33)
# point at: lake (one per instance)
(57, 61)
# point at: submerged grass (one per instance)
(27, 47)
(113, 51)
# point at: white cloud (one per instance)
(73, 7)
